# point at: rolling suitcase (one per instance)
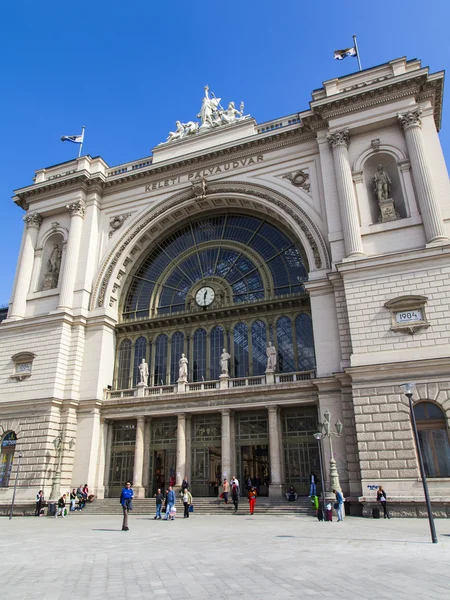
(329, 514)
(375, 513)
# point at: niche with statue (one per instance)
(51, 262)
(384, 189)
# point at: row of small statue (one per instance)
(271, 353)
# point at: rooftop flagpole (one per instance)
(357, 52)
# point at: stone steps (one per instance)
(204, 506)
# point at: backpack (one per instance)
(375, 513)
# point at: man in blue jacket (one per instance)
(339, 505)
(170, 503)
(126, 498)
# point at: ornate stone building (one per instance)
(198, 311)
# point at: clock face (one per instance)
(205, 296)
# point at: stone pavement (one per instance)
(217, 557)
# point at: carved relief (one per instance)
(33, 220)
(410, 118)
(339, 138)
(375, 144)
(199, 189)
(299, 179)
(77, 209)
(116, 223)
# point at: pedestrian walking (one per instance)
(312, 484)
(171, 499)
(235, 496)
(226, 490)
(235, 482)
(39, 502)
(61, 507)
(126, 500)
(159, 500)
(187, 501)
(339, 505)
(252, 499)
(382, 499)
(184, 484)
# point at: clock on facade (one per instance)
(205, 296)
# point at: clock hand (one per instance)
(204, 295)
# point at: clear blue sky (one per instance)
(129, 70)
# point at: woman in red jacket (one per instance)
(252, 499)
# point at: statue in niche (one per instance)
(271, 353)
(143, 372)
(382, 191)
(224, 358)
(182, 368)
(53, 267)
(382, 183)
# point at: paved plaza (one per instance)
(216, 557)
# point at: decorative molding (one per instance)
(375, 144)
(339, 138)
(77, 209)
(299, 179)
(413, 306)
(116, 223)
(33, 220)
(410, 119)
(199, 189)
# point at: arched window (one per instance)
(123, 371)
(259, 345)
(8, 446)
(140, 352)
(161, 359)
(177, 350)
(286, 363)
(240, 335)
(305, 343)
(199, 352)
(217, 343)
(433, 439)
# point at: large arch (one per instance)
(249, 197)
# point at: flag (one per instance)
(341, 54)
(75, 139)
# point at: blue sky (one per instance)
(128, 71)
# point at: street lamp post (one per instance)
(318, 437)
(408, 389)
(15, 487)
(56, 487)
(326, 432)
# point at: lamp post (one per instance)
(326, 432)
(56, 487)
(408, 389)
(318, 437)
(15, 487)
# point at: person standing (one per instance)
(73, 499)
(187, 501)
(235, 482)
(312, 484)
(39, 502)
(252, 499)
(235, 496)
(171, 499)
(184, 484)
(226, 490)
(126, 500)
(61, 506)
(382, 498)
(339, 505)
(159, 499)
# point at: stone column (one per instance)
(32, 222)
(226, 445)
(433, 223)
(275, 457)
(108, 450)
(339, 142)
(77, 211)
(139, 491)
(100, 487)
(181, 449)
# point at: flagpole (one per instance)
(357, 52)
(82, 135)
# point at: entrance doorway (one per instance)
(253, 468)
(163, 455)
(206, 454)
(163, 469)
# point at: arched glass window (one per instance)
(123, 371)
(161, 345)
(305, 343)
(199, 352)
(177, 350)
(140, 352)
(259, 344)
(433, 439)
(286, 363)
(8, 446)
(217, 343)
(240, 335)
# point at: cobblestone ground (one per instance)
(216, 557)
